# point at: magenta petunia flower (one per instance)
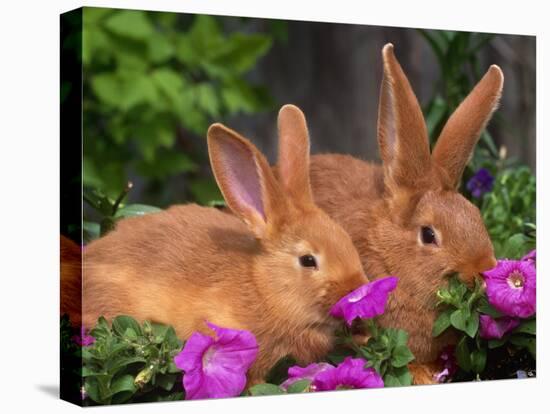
(480, 183)
(531, 256)
(297, 373)
(490, 328)
(448, 363)
(366, 301)
(216, 367)
(351, 373)
(83, 339)
(512, 287)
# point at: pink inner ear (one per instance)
(242, 178)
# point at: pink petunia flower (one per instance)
(297, 373)
(216, 368)
(83, 339)
(366, 301)
(490, 328)
(512, 287)
(351, 373)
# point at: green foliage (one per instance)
(110, 211)
(131, 362)
(509, 212)
(265, 389)
(460, 308)
(386, 351)
(152, 81)
(457, 56)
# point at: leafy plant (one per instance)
(509, 212)
(129, 361)
(152, 81)
(386, 351)
(110, 211)
(461, 308)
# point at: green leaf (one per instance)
(399, 377)
(207, 99)
(133, 24)
(166, 382)
(472, 324)
(515, 246)
(528, 327)
(401, 337)
(265, 389)
(241, 51)
(487, 309)
(92, 390)
(160, 48)
(496, 343)
(123, 383)
(130, 334)
(108, 88)
(462, 354)
(299, 386)
(459, 318)
(401, 356)
(442, 323)
(478, 359)
(114, 365)
(132, 210)
(527, 342)
(123, 322)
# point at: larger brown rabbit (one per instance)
(405, 216)
(275, 268)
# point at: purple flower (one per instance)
(531, 256)
(297, 373)
(83, 339)
(480, 183)
(448, 363)
(512, 287)
(496, 328)
(216, 368)
(366, 301)
(351, 373)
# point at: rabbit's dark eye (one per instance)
(428, 235)
(308, 261)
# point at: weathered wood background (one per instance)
(333, 72)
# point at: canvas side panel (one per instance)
(71, 203)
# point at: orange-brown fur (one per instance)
(191, 264)
(71, 279)
(383, 207)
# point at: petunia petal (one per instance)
(297, 373)
(351, 373)
(190, 358)
(216, 368)
(490, 328)
(367, 301)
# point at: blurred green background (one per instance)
(153, 82)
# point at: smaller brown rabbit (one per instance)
(274, 268)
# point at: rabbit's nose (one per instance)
(487, 263)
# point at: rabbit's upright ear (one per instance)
(293, 158)
(462, 131)
(244, 178)
(402, 133)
